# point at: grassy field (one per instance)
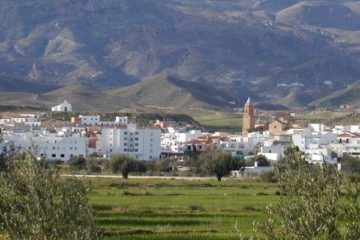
(179, 209)
(321, 116)
(221, 122)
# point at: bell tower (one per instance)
(248, 118)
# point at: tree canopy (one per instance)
(124, 164)
(218, 163)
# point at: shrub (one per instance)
(36, 204)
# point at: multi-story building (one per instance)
(50, 145)
(139, 143)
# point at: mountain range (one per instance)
(210, 54)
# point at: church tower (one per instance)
(248, 118)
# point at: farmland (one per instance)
(221, 122)
(179, 209)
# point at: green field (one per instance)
(326, 116)
(179, 209)
(221, 122)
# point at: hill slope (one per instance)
(349, 95)
(161, 94)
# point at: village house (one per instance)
(63, 107)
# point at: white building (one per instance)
(273, 152)
(27, 119)
(90, 120)
(63, 107)
(50, 145)
(310, 140)
(122, 120)
(139, 143)
(94, 120)
(173, 141)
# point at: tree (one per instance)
(311, 205)
(261, 160)
(36, 204)
(77, 163)
(122, 163)
(218, 163)
(93, 164)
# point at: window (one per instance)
(136, 144)
(125, 133)
(62, 155)
(53, 155)
(125, 144)
(125, 138)
(136, 139)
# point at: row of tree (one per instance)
(212, 163)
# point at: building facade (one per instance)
(139, 143)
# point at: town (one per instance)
(85, 135)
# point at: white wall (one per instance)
(51, 147)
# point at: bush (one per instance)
(312, 203)
(269, 176)
(77, 163)
(36, 204)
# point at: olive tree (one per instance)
(123, 163)
(35, 203)
(218, 163)
(316, 202)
